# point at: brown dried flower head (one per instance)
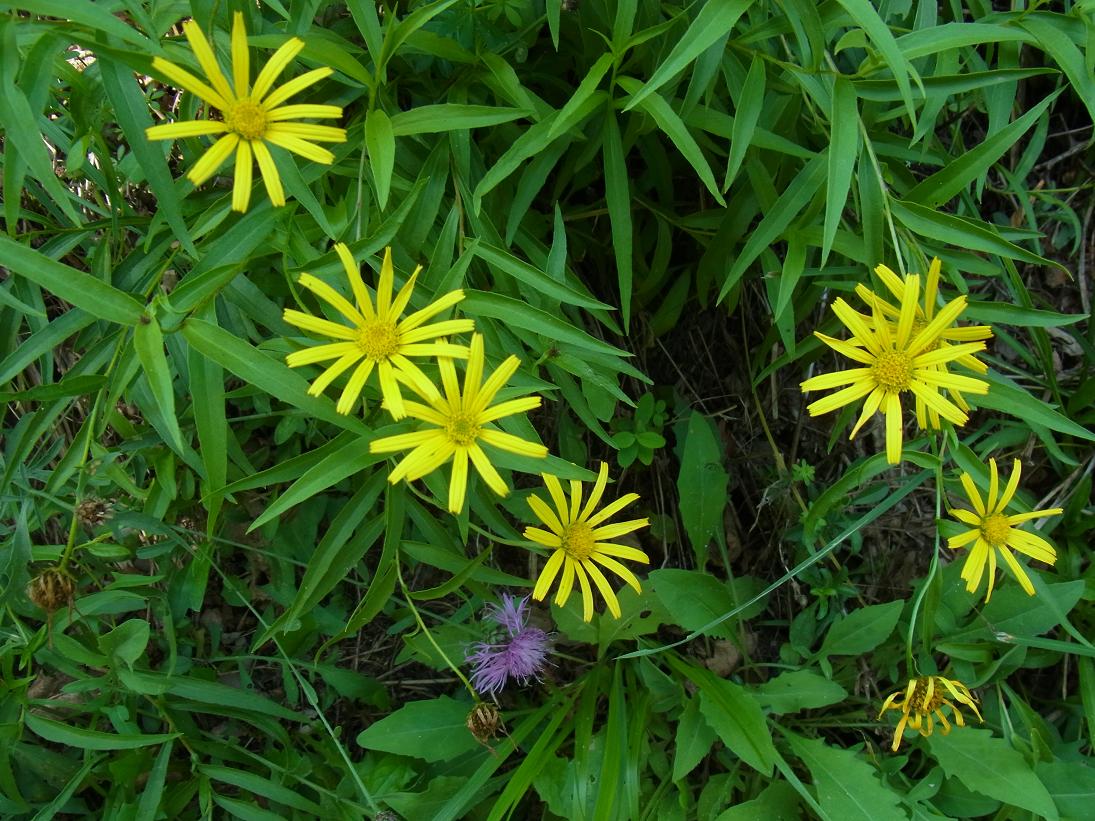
(52, 589)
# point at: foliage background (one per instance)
(651, 204)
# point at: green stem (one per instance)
(940, 446)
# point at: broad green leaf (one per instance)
(204, 691)
(69, 386)
(799, 690)
(434, 119)
(1004, 313)
(694, 599)
(693, 740)
(734, 714)
(794, 198)
(75, 287)
(504, 261)
(776, 802)
(702, 485)
(434, 730)
(1012, 612)
(847, 787)
(715, 19)
(862, 630)
(843, 153)
(969, 166)
(523, 315)
(1071, 784)
(1014, 401)
(148, 342)
(92, 15)
(127, 641)
(618, 200)
(409, 25)
(673, 127)
(210, 421)
(272, 376)
(60, 733)
(934, 39)
(380, 141)
(992, 767)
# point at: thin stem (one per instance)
(939, 443)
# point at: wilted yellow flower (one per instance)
(897, 361)
(925, 312)
(459, 421)
(250, 118)
(378, 338)
(923, 703)
(996, 532)
(579, 538)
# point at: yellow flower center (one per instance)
(578, 540)
(920, 692)
(462, 429)
(892, 370)
(246, 119)
(995, 529)
(378, 339)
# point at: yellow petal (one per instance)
(597, 493)
(297, 112)
(270, 176)
(287, 89)
(299, 146)
(603, 585)
(893, 428)
(277, 63)
(241, 58)
(458, 482)
(188, 82)
(354, 386)
(548, 574)
(213, 159)
(241, 189)
(207, 60)
(566, 583)
(513, 444)
(486, 470)
(188, 128)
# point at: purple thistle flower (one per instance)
(520, 655)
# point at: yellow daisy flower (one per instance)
(378, 338)
(923, 704)
(994, 531)
(925, 312)
(459, 422)
(250, 118)
(579, 538)
(896, 361)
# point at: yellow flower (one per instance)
(378, 338)
(579, 539)
(923, 703)
(897, 360)
(459, 422)
(994, 531)
(926, 416)
(251, 118)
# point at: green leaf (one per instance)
(867, 18)
(776, 802)
(434, 730)
(693, 740)
(127, 641)
(962, 232)
(799, 690)
(843, 153)
(152, 792)
(523, 315)
(715, 19)
(734, 714)
(380, 141)
(618, 200)
(1051, 31)
(952, 179)
(793, 199)
(148, 342)
(434, 119)
(131, 109)
(694, 599)
(1011, 611)
(1071, 784)
(992, 767)
(673, 127)
(75, 287)
(702, 485)
(750, 104)
(257, 785)
(81, 739)
(862, 630)
(581, 94)
(522, 271)
(1014, 401)
(1004, 313)
(270, 375)
(847, 787)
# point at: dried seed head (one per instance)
(51, 589)
(484, 722)
(92, 512)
